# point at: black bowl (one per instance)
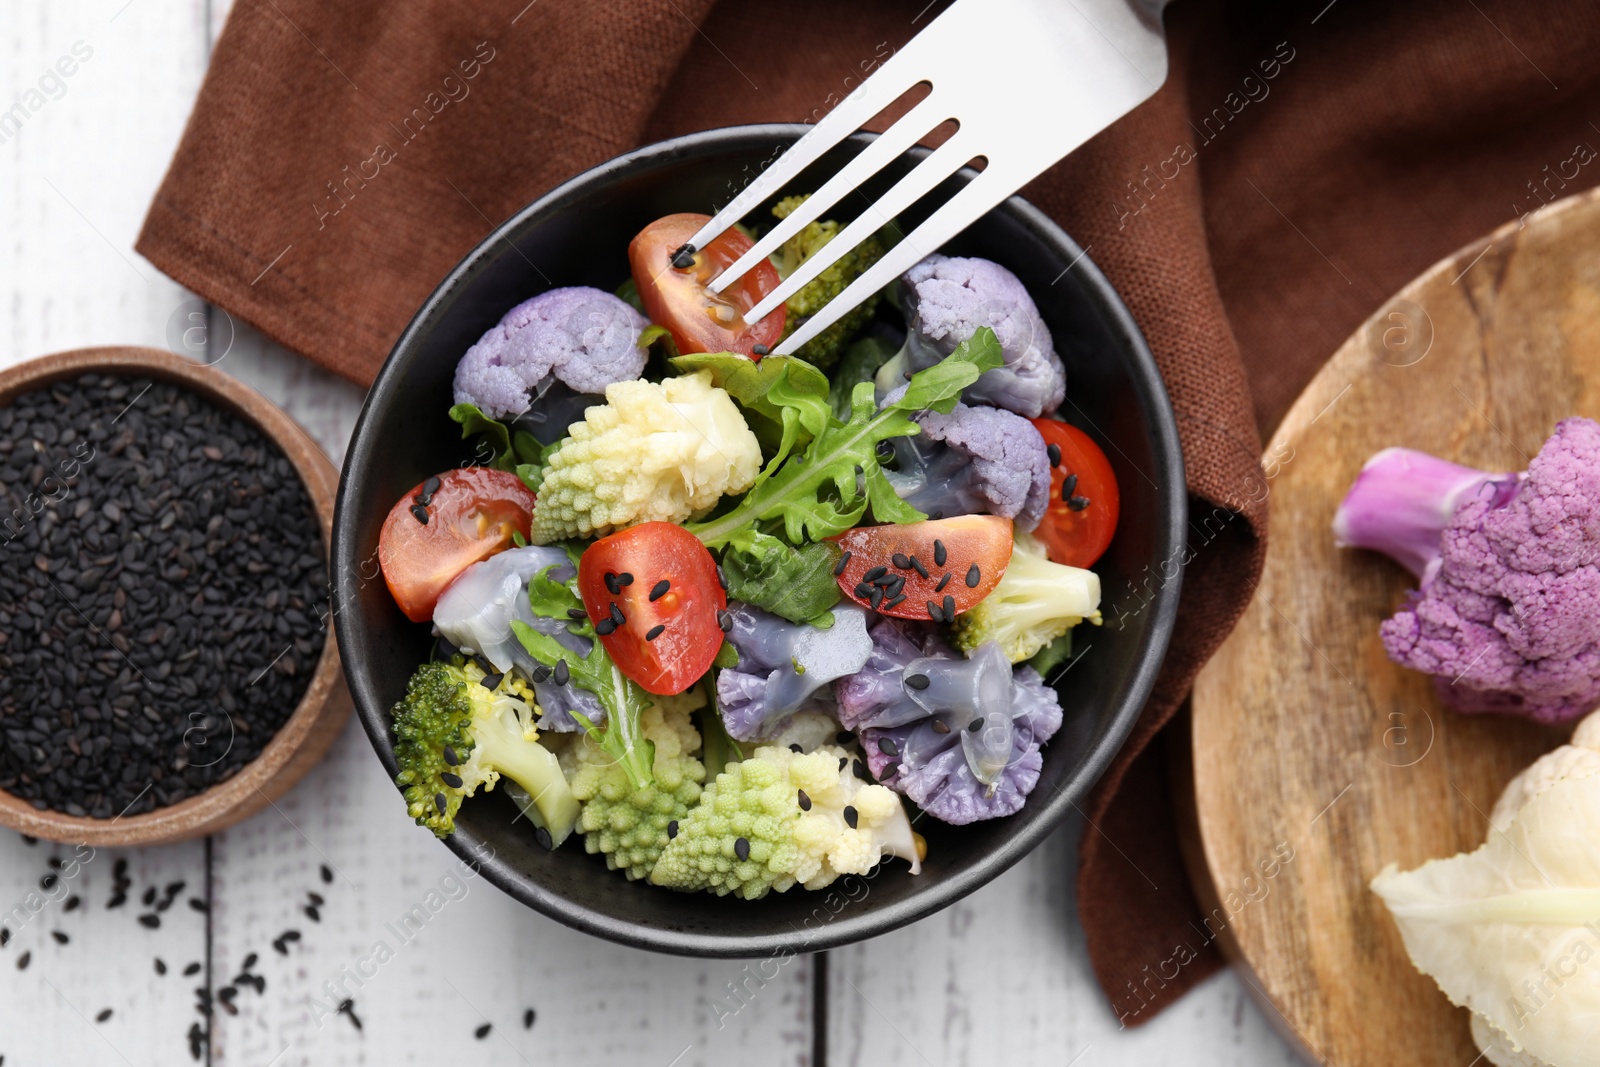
(578, 235)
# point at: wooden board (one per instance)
(1316, 761)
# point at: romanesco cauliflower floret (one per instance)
(782, 817)
(652, 452)
(630, 826)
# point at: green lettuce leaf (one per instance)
(796, 583)
(495, 434)
(750, 382)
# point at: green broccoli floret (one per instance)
(782, 817)
(453, 735)
(631, 826)
(824, 349)
(1036, 602)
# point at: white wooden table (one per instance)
(999, 978)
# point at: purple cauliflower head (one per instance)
(584, 339)
(946, 300)
(960, 737)
(783, 664)
(1504, 618)
(975, 460)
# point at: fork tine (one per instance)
(960, 211)
(911, 128)
(884, 87)
(943, 162)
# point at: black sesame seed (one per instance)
(1078, 503)
(859, 769)
(659, 590)
(724, 621)
(916, 681)
(161, 967)
(933, 611)
(196, 904)
(741, 848)
(1069, 487)
(863, 590)
(672, 829)
(440, 802)
(541, 673)
(327, 874)
(291, 935)
(451, 780)
(902, 561)
(759, 350)
(938, 553)
(796, 748)
(612, 584)
(874, 574)
(431, 486)
(191, 970)
(683, 256)
(577, 613)
(450, 757)
(48, 882)
(5, 937)
(876, 597)
(561, 673)
(895, 601)
(543, 838)
(722, 579)
(949, 608)
(60, 937)
(625, 578)
(73, 903)
(23, 961)
(491, 682)
(916, 565)
(974, 726)
(483, 1031)
(527, 1019)
(844, 561)
(887, 746)
(151, 921)
(252, 959)
(851, 817)
(655, 631)
(605, 627)
(104, 1016)
(844, 761)
(942, 583)
(974, 576)
(1054, 452)
(805, 801)
(890, 769)
(616, 615)
(940, 726)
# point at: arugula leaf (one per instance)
(750, 382)
(496, 434)
(820, 494)
(796, 583)
(622, 698)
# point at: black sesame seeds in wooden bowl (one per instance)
(166, 660)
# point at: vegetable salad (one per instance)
(723, 613)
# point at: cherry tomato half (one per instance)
(1082, 516)
(470, 515)
(954, 562)
(661, 583)
(677, 298)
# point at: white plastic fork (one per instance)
(1027, 81)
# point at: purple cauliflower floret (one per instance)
(960, 737)
(584, 339)
(783, 664)
(1504, 617)
(945, 300)
(975, 460)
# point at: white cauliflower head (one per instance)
(1512, 930)
(651, 453)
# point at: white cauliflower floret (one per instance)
(781, 817)
(650, 453)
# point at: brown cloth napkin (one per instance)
(1302, 162)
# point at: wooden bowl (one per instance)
(326, 705)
